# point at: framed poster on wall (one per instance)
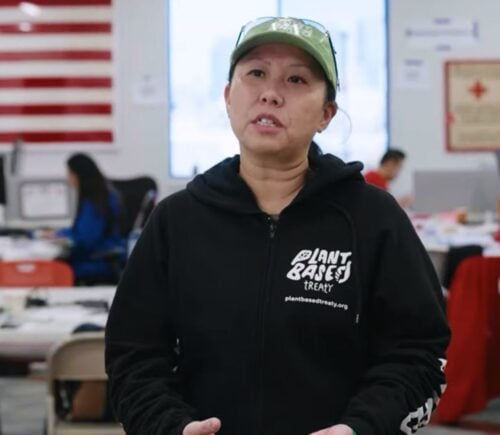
(472, 105)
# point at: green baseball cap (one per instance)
(310, 36)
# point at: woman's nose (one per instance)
(272, 96)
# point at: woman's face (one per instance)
(72, 179)
(276, 101)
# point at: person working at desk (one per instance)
(388, 169)
(96, 227)
(278, 294)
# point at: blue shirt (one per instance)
(90, 235)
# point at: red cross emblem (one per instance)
(477, 89)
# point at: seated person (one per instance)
(388, 169)
(96, 227)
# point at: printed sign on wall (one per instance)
(472, 102)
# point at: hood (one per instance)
(221, 186)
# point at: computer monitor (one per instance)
(43, 199)
(441, 190)
(38, 202)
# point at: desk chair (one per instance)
(455, 255)
(138, 196)
(79, 358)
(31, 273)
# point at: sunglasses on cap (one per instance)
(308, 35)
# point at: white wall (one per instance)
(417, 114)
(140, 33)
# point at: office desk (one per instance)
(439, 233)
(38, 223)
(473, 313)
(22, 248)
(38, 328)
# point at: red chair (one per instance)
(473, 311)
(33, 273)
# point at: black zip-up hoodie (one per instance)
(330, 314)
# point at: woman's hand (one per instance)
(205, 427)
(338, 429)
(44, 234)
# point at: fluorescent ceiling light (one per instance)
(30, 9)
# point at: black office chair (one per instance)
(454, 257)
(138, 198)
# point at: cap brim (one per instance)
(283, 38)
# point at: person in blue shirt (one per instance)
(96, 227)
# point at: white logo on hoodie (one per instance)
(320, 269)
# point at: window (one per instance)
(202, 35)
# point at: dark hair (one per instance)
(331, 92)
(394, 155)
(92, 185)
(314, 150)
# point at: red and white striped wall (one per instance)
(56, 72)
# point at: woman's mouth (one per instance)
(267, 120)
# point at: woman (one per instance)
(278, 294)
(96, 227)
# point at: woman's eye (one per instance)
(296, 79)
(256, 73)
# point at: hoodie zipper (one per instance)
(265, 293)
(273, 223)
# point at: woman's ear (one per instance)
(227, 90)
(329, 111)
